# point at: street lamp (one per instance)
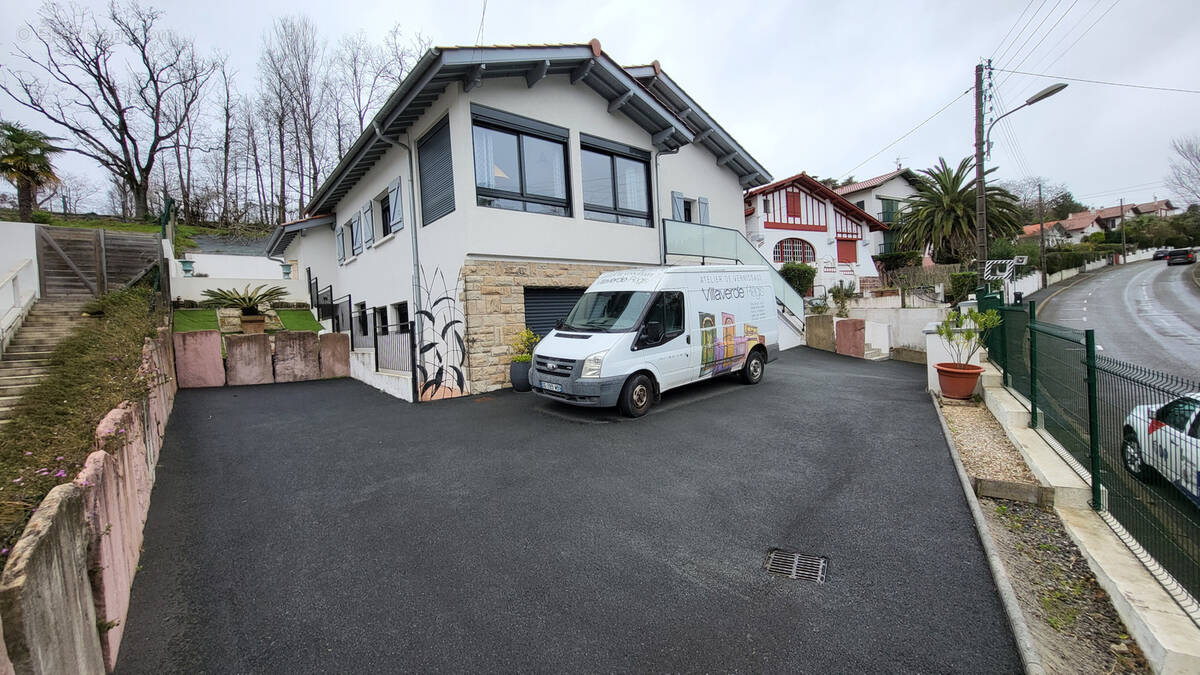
(981, 143)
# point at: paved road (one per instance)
(1145, 313)
(326, 527)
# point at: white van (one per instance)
(637, 333)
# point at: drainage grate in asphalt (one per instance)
(797, 565)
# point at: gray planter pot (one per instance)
(518, 373)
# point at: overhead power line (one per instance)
(1010, 28)
(1035, 32)
(909, 132)
(1042, 64)
(1110, 84)
(1022, 31)
(1045, 35)
(1089, 29)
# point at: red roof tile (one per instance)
(870, 182)
(806, 181)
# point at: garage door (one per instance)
(545, 306)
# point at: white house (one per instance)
(492, 187)
(800, 219)
(882, 197)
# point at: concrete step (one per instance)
(41, 357)
(15, 389)
(21, 369)
(876, 355)
(16, 380)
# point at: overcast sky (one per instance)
(820, 86)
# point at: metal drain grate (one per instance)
(797, 565)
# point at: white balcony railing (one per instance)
(18, 289)
(722, 244)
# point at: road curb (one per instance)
(1041, 304)
(1016, 619)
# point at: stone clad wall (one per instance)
(493, 300)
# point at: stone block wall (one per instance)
(493, 301)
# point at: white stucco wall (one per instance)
(897, 188)
(19, 244)
(233, 266)
(192, 288)
(829, 270)
(381, 274)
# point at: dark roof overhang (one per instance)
(283, 235)
(442, 67)
(707, 132)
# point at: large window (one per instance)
(616, 182)
(520, 164)
(437, 173)
(795, 250)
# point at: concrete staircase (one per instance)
(26, 360)
(125, 255)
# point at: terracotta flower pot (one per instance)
(958, 380)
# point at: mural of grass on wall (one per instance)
(442, 353)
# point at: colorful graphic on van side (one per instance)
(708, 338)
(727, 351)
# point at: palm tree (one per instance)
(941, 216)
(25, 162)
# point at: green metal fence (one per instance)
(1123, 423)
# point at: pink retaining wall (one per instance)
(851, 337)
(114, 492)
(198, 361)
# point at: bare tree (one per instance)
(1184, 179)
(108, 86)
(302, 57)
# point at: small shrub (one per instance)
(523, 346)
(961, 285)
(799, 276)
(41, 218)
(896, 260)
(841, 294)
(246, 300)
(964, 334)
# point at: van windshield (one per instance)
(607, 311)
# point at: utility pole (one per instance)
(1042, 234)
(1124, 254)
(980, 196)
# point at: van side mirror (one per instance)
(653, 332)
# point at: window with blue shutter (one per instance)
(703, 201)
(368, 224)
(356, 242)
(393, 220)
(677, 206)
(436, 170)
(340, 244)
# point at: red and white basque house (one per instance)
(799, 219)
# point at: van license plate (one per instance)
(550, 386)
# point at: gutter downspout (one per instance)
(662, 230)
(418, 325)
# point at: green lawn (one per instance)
(298, 319)
(183, 233)
(187, 320)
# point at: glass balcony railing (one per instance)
(727, 246)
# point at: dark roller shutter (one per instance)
(545, 306)
(437, 173)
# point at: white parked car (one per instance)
(1167, 439)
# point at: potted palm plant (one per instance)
(518, 368)
(252, 303)
(963, 335)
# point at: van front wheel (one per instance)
(756, 365)
(636, 396)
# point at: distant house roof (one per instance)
(283, 235)
(1035, 230)
(587, 64)
(1155, 206)
(807, 182)
(875, 182)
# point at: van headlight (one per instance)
(591, 365)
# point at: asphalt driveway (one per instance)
(327, 527)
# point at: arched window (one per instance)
(795, 250)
